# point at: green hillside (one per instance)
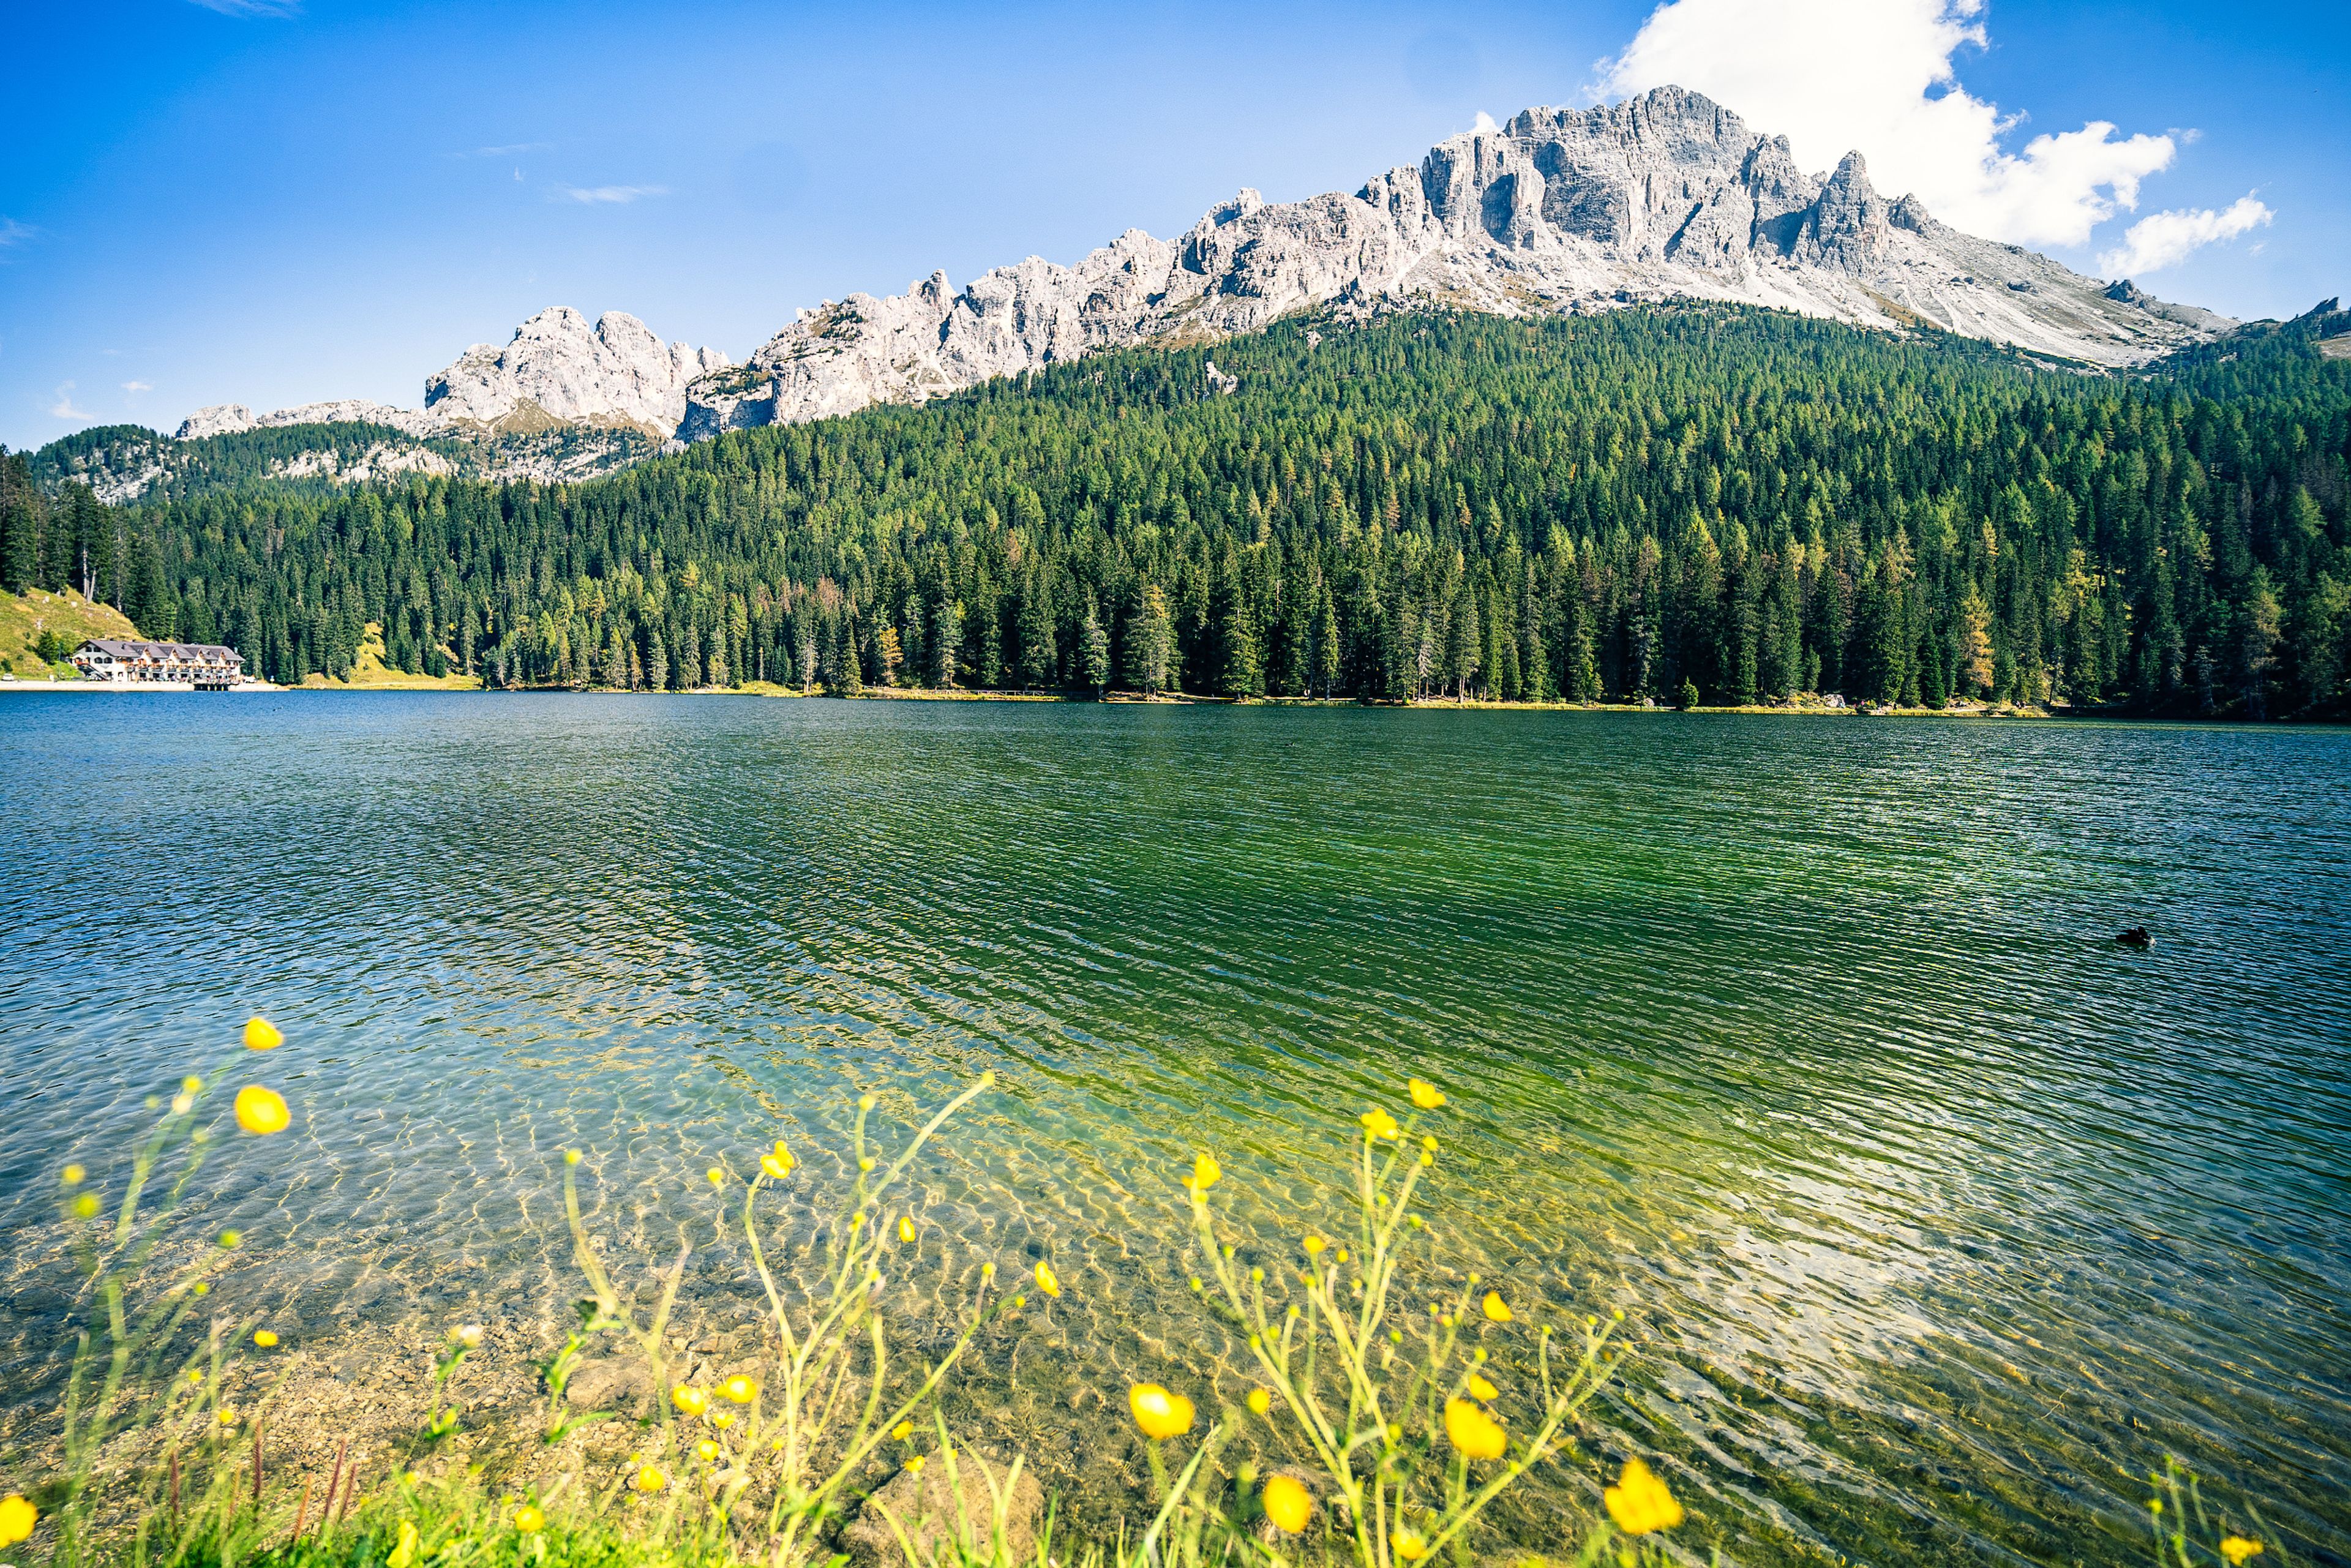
(1645, 503)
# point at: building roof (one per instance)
(119, 648)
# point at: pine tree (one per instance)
(1095, 644)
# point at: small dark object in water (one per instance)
(2136, 936)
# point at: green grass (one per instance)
(25, 616)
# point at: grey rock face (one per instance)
(1667, 195)
(556, 371)
(615, 372)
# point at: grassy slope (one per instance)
(370, 673)
(25, 616)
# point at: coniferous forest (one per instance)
(1647, 503)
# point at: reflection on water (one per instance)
(1805, 1042)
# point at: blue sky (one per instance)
(270, 201)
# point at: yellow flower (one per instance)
(1045, 1281)
(706, 1449)
(1639, 1502)
(17, 1518)
(740, 1389)
(469, 1335)
(1260, 1401)
(1498, 1311)
(263, 1338)
(689, 1399)
(1425, 1094)
(2235, 1547)
(227, 1416)
(724, 1419)
(86, 1205)
(915, 1463)
(906, 1229)
(784, 1154)
(717, 1177)
(260, 1109)
(1287, 1503)
(1159, 1413)
(530, 1521)
(74, 1175)
(571, 1156)
(902, 1430)
(650, 1478)
(775, 1165)
(1314, 1245)
(1205, 1174)
(1482, 1389)
(260, 1034)
(405, 1553)
(1409, 1545)
(1378, 1124)
(1473, 1431)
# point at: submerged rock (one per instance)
(925, 1506)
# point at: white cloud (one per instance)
(508, 150)
(13, 234)
(252, 7)
(2162, 238)
(135, 388)
(64, 407)
(1485, 123)
(594, 194)
(1877, 76)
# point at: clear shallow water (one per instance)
(1805, 1042)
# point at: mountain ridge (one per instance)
(1667, 195)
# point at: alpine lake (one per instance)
(1939, 1217)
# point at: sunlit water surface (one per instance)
(1804, 1042)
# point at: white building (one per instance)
(201, 667)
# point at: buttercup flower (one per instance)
(1473, 1431)
(689, 1399)
(706, 1449)
(73, 1176)
(403, 1551)
(906, 1229)
(86, 1205)
(528, 1520)
(1497, 1310)
(717, 1177)
(260, 1109)
(469, 1335)
(263, 1338)
(1287, 1503)
(1260, 1401)
(1046, 1282)
(775, 1165)
(723, 1418)
(1205, 1174)
(260, 1034)
(227, 1416)
(651, 1480)
(1482, 1389)
(902, 1430)
(1425, 1094)
(17, 1518)
(1159, 1413)
(1378, 1124)
(739, 1389)
(2235, 1547)
(1639, 1502)
(915, 1463)
(1409, 1545)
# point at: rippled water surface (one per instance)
(1805, 1042)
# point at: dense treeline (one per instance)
(1745, 504)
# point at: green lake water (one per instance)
(1937, 1215)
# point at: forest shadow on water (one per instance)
(1937, 1215)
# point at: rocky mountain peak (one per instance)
(615, 372)
(1665, 195)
